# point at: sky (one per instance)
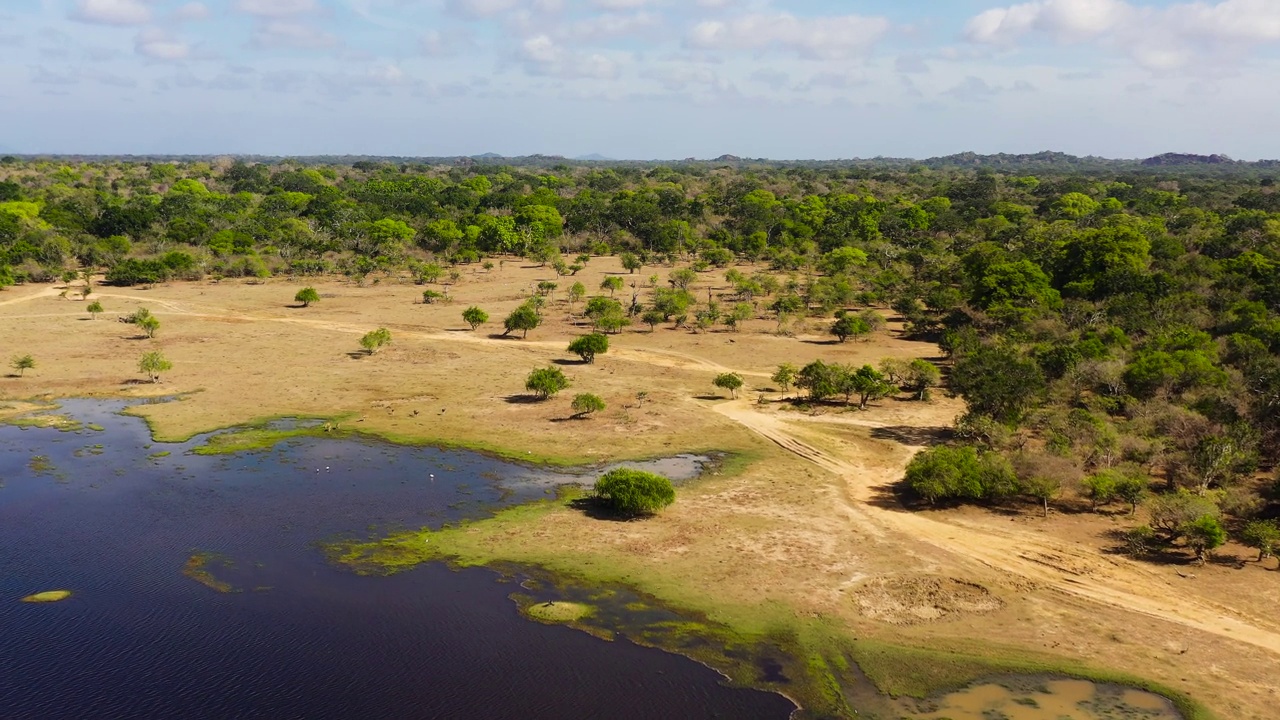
(641, 79)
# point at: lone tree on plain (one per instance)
(728, 381)
(22, 363)
(588, 346)
(306, 296)
(633, 493)
(1263, 536)
(612, 284)
(524, 319)
(149, 324)
(475, 317)
(154, 363)
(545, 382)
(785, 376)
(373, 340)
(94, 309)
(586, 403)
(631, 262)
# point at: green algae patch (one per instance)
(61, 423)
(48, 596)
(557, 612)
(250, 439)
(94, 427)
(197, 568)
(158, 455)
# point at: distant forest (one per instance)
(1104, 320)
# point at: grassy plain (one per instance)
(800, 535)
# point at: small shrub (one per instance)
(631, 493)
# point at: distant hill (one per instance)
(488, 156)
(594, 157)
(1186, 159)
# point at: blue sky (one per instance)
(641, 78)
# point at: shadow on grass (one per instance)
(821, 342)
(358, 355)
(914, 436)
(569, 361)
(503, 336)
(524, 399)
(595, 509)
(709, 397)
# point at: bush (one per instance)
(728, 381)
(586, 403)
(632, 493)
(306, 296)
(947, 473)
(475, 317)
(545, 382)
(588, 346)
(375, 339)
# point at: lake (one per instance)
(142, 539)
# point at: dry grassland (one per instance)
(810, 528)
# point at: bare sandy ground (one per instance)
(812, 526)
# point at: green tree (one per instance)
(960, 473)
(524, 319)
(586, 403)
(652, 318)
(740, 313)
(1132, 488)
(1101, 487)
(998, 382)
(631, 262)
(95, 308)
(588, 346)
(374, 340)
(784, 376)
(867, 382)
(545, 382)
(475, 317)
(820, 379)
(1263, 536)
(921, 375)
(149, 324)
(728, 381)
(1043, 489)
(1203, 535)
(613, 283)
(152, 364)
(847, 326)
(22, 363)
(681, 279)
(632, 493)
(306, 296)
(576, 292)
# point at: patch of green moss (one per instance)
(158, 455)
(48, 596)
(94, 427)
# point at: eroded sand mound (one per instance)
(914, 599)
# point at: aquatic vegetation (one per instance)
(94, 427)
(62, 423)
(197, 568)
(557, 612)
(40, 464)
(158, 455)
(48, 596)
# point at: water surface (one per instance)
(103, 514)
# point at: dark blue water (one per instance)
(297, 638)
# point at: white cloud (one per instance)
(542, 55)
(814, 37)
(282, 34)
(159, 45)
(275, 8)
(112, 12)
(481, 8)
(191, 11)
(1158, 38)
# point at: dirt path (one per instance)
(1080, 573)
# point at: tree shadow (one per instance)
(914, 436)
(710, 397)
(137, 381)
(568, 361)
(503, 336)
(524, 399)
(593, 508)
(358, 355)
(822, 342)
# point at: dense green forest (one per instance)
(1112, 328)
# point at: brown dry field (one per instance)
(811, 525)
